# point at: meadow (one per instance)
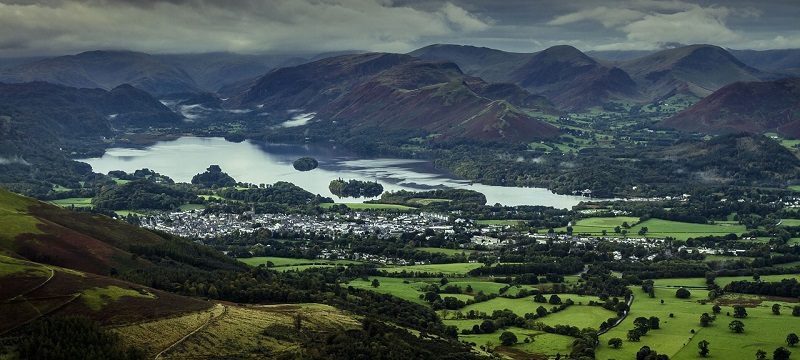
(281, 262)
(656, 228)
(368, 206)
(675, 337)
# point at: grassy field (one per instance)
(14, 218)
(96, 298)
(446, 269)
(363, 206)
(656, 228)
(285, 262)
(500, 222)
(9, 266)
(596, 225)
(721, 281)
(76, 202)
(675, 339)
(409, 291)
(448, 252)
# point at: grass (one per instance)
(674, 338)
(721, 281)
(656, 228)
(446, 269)
(365, 206)
(15, 219)
(449, 252)
(76, 202)
(280, 262)
(96, 298)
(500, 222)
(10, 266)
(394, 286)
(596, 225)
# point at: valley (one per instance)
(540, 205)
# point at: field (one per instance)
(260, 331)
(500, 222)
(446, 269)
(721, 281)
(656, 228)
(14, 218)
(675, 338)
(76, 202)
(365, 206)
(448, 252)
(282, 263)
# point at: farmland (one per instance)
(679, 334)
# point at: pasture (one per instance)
(368, 206)
(456, 269)
(675, 338)
(76, 202)
(656, 228)
(281, 262)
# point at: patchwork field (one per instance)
(656, 228)
(763, 330)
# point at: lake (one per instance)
(258, 162)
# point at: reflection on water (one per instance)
(257, 163)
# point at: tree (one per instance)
(781, 353)
(468, 289)
(739, 312)
(792, 339)
(616, 343)
(508, 338)
(703, 346)
(642, 324)
(487, 326)
(634, 335)
(375, 283)
(654, 322)
(776, 309)
(736, 326)
(554, 300)
(705, 320)
(716, 309)
(796, 310)
(761, 355)
(682, 293)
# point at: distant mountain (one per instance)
(618, 55)
(696, 70)
(392, 91)
(745, 106)
(573, 80)
(568, 77)
(784, 60)
(105, 70)
(59, 112)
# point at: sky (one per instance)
(61, 27)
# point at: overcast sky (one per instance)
(58, 27)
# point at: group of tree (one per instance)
(305, 164)
(355, 188)
(213, 177)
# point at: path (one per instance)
(201, 327)
(619, 321)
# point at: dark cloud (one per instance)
(53, 27)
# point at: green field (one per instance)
(393, 286)
(446, 269)
(721, 281)
(76, 202)
(9, 266)
(449, 252)
(364, 206)
(500, 222)
(281, 262)
(596, 225)
(656, 228)
(14, 218)
(675, 339)
(96, 298)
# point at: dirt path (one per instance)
(52, 273)
(201, 327)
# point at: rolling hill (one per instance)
(745, 106)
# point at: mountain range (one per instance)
(452, 90)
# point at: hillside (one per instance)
(745, 106)
(105, 70)
(785, 60)
(572, 80)
(396, 92)
(696, 70)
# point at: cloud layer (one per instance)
(55, 27)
